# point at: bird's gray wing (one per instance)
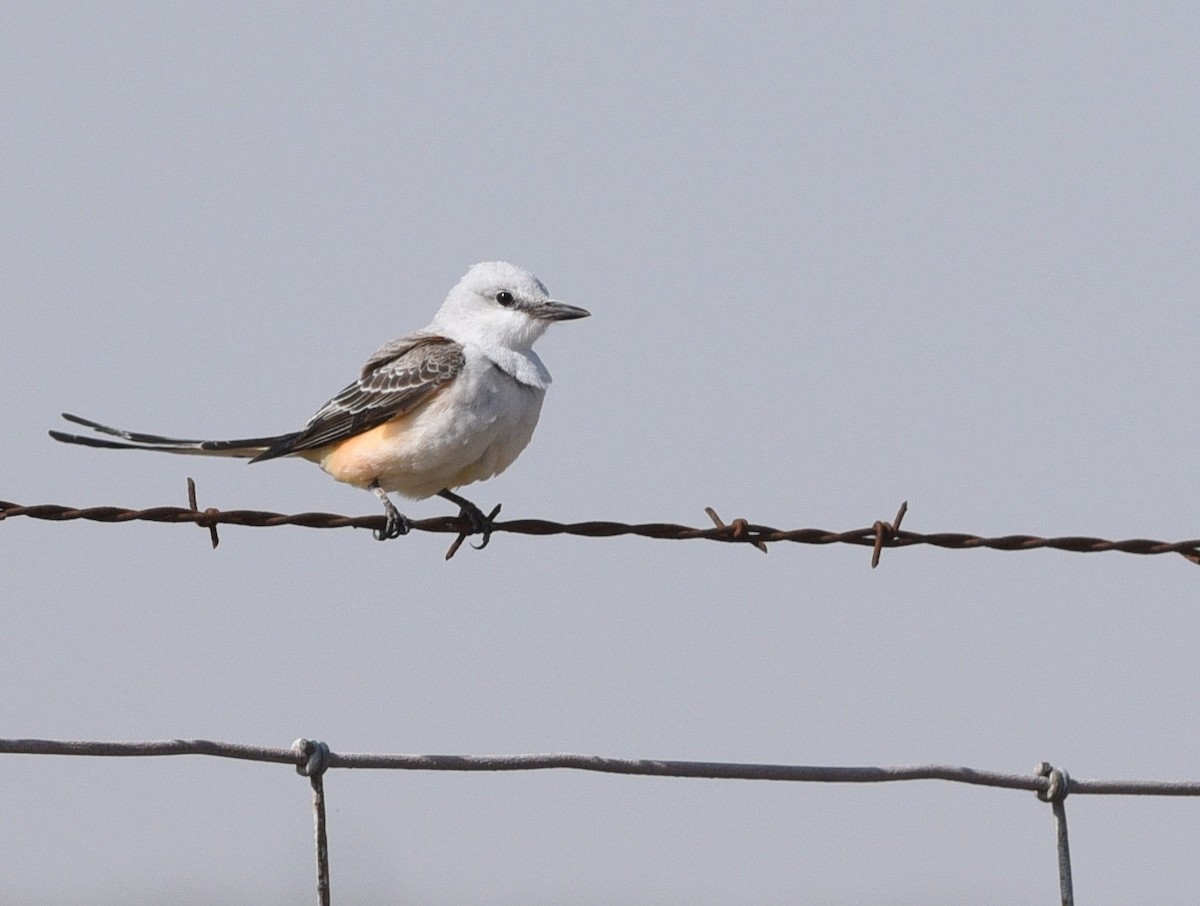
(397, 378)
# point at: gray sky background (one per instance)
(838, 256)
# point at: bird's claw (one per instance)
(480, 525)
(395, 525)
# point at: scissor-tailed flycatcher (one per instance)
(436, 409)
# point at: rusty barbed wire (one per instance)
(878, 536)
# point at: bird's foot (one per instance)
(480, 524)
(396, 523)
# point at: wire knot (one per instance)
(1060, 782)
(316, 755)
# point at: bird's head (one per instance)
(497, 304)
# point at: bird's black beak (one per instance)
(553, 310)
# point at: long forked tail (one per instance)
(244, 448)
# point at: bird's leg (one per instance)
(397, 523)
(480, 524)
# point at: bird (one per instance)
(439, 408)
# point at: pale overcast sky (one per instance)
(837, 255)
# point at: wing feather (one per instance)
(395, 379)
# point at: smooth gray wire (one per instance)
(314, 762)
(644, 767)
(313, 759)
(1060, 785)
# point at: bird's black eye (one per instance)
(505, 298)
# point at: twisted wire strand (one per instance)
(880, 535)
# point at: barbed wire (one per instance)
(313, 759)
(878, 536)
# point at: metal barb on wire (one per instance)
(211, 511)
(1058, 786)
(315, 762)
(738, 529)
(877, 537)
(885, 532)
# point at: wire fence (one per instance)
(877, 536)
(313, 759)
